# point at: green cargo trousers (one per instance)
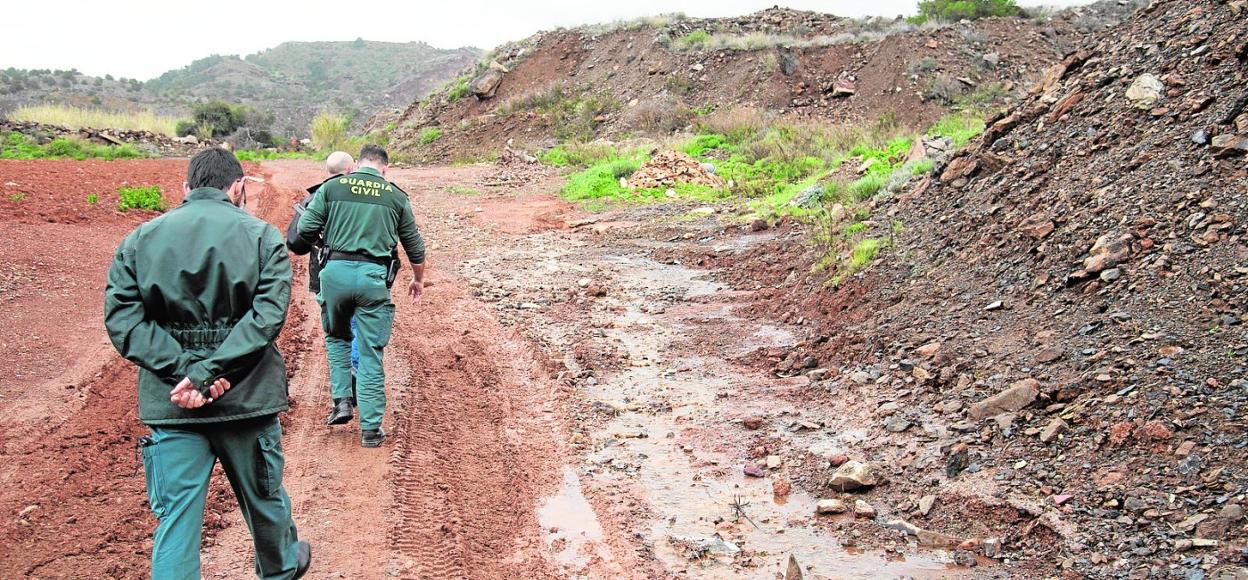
(178, 463)
(357, 289)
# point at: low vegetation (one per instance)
(270, 154)
(78, 118)
(147, 198)
(243, 125)
(572, 113)
(19, 146)
(779, 169)
(430, 134)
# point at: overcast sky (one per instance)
(143, 38)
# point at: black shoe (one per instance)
(372, 437)
(304, 559)
(341, 413)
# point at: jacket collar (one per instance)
(206, 194)
(369, 171)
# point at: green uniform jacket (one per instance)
(362, 213)
(201, 292)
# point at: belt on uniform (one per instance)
(201, 336)
(354, 257)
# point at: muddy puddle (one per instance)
(705, 512)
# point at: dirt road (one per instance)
(563, 403)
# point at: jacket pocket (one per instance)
(270, 461)
(153, 478)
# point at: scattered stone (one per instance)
(27, 510)
(1232, 512)
(1038, 226)
(753, 423)
(897, 424)
(854, 475)
(1061, 498)
(1015, 398)
(863, 510)
(926, 503)
(831, 506)
(793, 571)
(1229, 145)
(1108, 251)
(773, 461)
(758, 225)
(1144, 91)
(998, 305)
(1051, 431)
(964, 558)
(843, 88)
(1049, 354)
(1185, 448)
(838, 460)
(959, 459)
(754, 471)
(992, 547)
(781, 487)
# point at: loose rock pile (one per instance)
(668, 168)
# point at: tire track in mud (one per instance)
(474, 438)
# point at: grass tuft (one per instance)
(79, 118)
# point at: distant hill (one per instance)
(293, 81)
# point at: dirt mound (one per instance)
(655, 76)
(669, 168)
(1092, 241)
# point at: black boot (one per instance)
(342, 412)
(372, 437)
(304, 559)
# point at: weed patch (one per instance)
(19, 146)
(140, 198)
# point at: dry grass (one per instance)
(78, 118)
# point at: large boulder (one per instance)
(485, 86)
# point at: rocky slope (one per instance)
(655, 76)
(1054, 342)
(294, 81)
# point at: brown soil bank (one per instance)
(1068, 300)
(654, 77)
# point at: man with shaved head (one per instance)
(338, 163)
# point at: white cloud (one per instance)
(143, 38)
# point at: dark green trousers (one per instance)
(178, 461)
(357, 289)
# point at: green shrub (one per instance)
(954, 10)
(185, 127)
(93, 199)
(329, 131)
(694, 40)
(458, 89)
(140, 198)
(19, 196)
(961, 127)
(430, 134)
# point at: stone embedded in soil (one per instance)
(1108, 251)
(863, 509)
(781, 487)
(1051, 431)
(754, 470)
(964, 558)
(1014, 398)
(753, 423)
(1144, 91)
(838, 460)
(926, 503)
(773, 461)
(854, 475)
(897, 424)
(1049, 354)
(831, 506)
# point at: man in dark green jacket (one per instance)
(196, 299)
(361, 217)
